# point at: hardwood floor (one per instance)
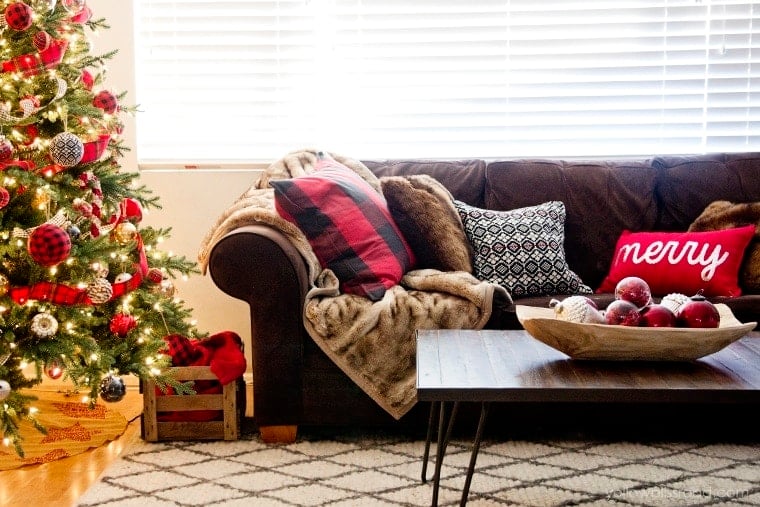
(60, 483)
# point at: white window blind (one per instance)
(249, 80)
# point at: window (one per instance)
(250, 80)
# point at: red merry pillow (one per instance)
(683, 262)
(348, 226)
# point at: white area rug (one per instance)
(378, 470)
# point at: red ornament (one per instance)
(32, 133)
(41, 40)
(657, 315)
(49, 245)
(6, 149)
(698, 312)
(623, 313)
(635, 290)
(155, 275)
(106, 101)
(54, 369)
(5, 197)
(83, 17)
(87, 80)
(131, 209)
(121, 324)
(18, 15)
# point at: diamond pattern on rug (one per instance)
(383, 470)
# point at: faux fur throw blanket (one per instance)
(720, 215)
(372, 342)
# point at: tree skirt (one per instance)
(72, 428)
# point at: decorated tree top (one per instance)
(85, 291)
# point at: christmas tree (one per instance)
(85, 291)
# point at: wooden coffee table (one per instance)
(456, 366)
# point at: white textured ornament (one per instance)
(100, 291)
(576, 309)
(44, 325)
(5, 389)
(674, 301)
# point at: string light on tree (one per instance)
(80, 276)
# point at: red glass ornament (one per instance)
(121, 324)
(87, 80)
(6, 149)
(5, 197)
(54, 369)
(131, 209)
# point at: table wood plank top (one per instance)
(497, 365)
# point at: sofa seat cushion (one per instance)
(682, 262)
(522, 249)
(349, 227)
(424, 211)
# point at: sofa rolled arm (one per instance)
(259, 265)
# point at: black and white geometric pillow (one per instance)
(522, 249)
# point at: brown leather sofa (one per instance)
(296, 385)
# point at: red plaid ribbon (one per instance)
(61, 294)
(31, 64)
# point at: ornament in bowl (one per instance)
(679, 328)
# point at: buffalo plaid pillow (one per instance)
(348, 226)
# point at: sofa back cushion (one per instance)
(465, 179)
(688, 184)
(602, 198)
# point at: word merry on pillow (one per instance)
(522, 249)
(682, 262)
(348, 226)
(424, 211)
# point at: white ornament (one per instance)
(674, 301)
(73, 6)
(44, 325)
(100, 291)
(61, 89)
(5, 389)
(577, 309)
(122, 277)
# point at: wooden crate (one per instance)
(154, 430)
